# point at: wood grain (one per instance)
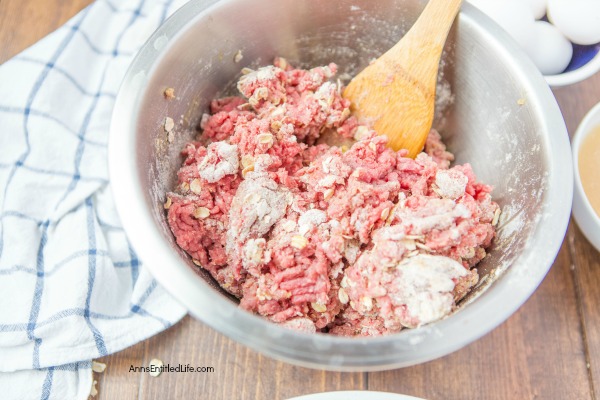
(24, 22)
(239, 373)
(586, 268)
(575, 101)
(116, 382)
(549, 349)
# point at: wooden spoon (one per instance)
(395, 95)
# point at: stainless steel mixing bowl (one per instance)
(504, 121)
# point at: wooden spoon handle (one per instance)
(426, 38)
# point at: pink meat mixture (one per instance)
(349, 241)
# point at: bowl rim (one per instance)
(406, 348)
(584, 207)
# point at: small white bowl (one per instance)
(585, 216)
(578, 70)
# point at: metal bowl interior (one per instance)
(504, 121)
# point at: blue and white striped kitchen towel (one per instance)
(71, 287)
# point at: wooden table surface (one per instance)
(549, 349)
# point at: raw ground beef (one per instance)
(348, 241)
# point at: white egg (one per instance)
(538, 7)
(550, 50)
(578, 20)
(513, 15)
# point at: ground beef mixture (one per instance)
(347, 241)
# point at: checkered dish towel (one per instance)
(71, 287)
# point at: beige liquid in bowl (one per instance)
(589, 167)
